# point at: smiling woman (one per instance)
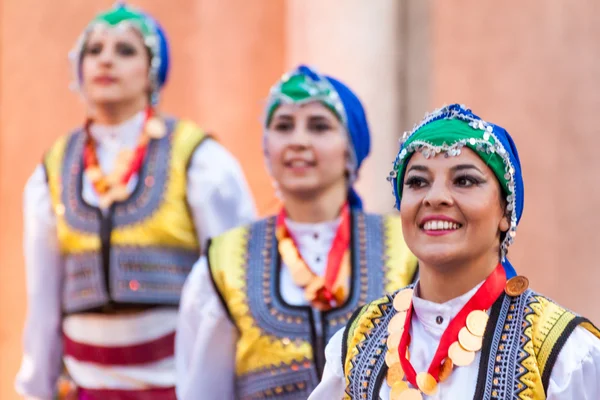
(469, 328)
(453, 216)
(308, 151)
(282, 286)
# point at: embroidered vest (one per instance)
(280, 351)
(141, 250)
(521, 343)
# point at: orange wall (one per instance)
(224, 62)
(531, 67)
(534, 68)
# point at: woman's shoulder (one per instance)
(556, 319)
(376, 312)
(236, 239)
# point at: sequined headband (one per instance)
(448, 130)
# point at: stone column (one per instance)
(360, 42)
(535, 69)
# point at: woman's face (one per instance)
(307, 149)
(451, 208)
(115, 67)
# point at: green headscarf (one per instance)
(299, 88)
(449, 135)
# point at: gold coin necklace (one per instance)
(323, 292)
(113, 187)
(460, 341)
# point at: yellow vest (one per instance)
(141, 250)
(281, 347)
(536, 326)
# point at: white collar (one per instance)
(125, 133)
(430, 313)
(320, 233)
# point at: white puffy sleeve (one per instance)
(205, 341)
(333, 384)
(42, 358)
(576, 373)
(218, 194)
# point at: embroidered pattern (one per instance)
(276, 337)
(521, 343)
(367, 345)
(153, 243)
(535, 328)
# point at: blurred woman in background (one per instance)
(257, 311)
(115, 218)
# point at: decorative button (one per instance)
(318, 259)
(439, 319)
(134, 285)
(316, 235)
(516, 286)
(149, 181)
(60, 210)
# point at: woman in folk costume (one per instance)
(257, 311)
(115, 218)
(470, 328)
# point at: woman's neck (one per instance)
(116, 113)
(325, 207)
(440, 284)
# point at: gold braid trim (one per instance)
(547, 325)
(358, 330)
(399, 263)
(255, 350)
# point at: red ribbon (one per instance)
(89, 152)
(483, 299)
(339, 246)
(140, 153)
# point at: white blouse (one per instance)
(219, 199)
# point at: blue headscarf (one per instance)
(303, 85)
(453, 127)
